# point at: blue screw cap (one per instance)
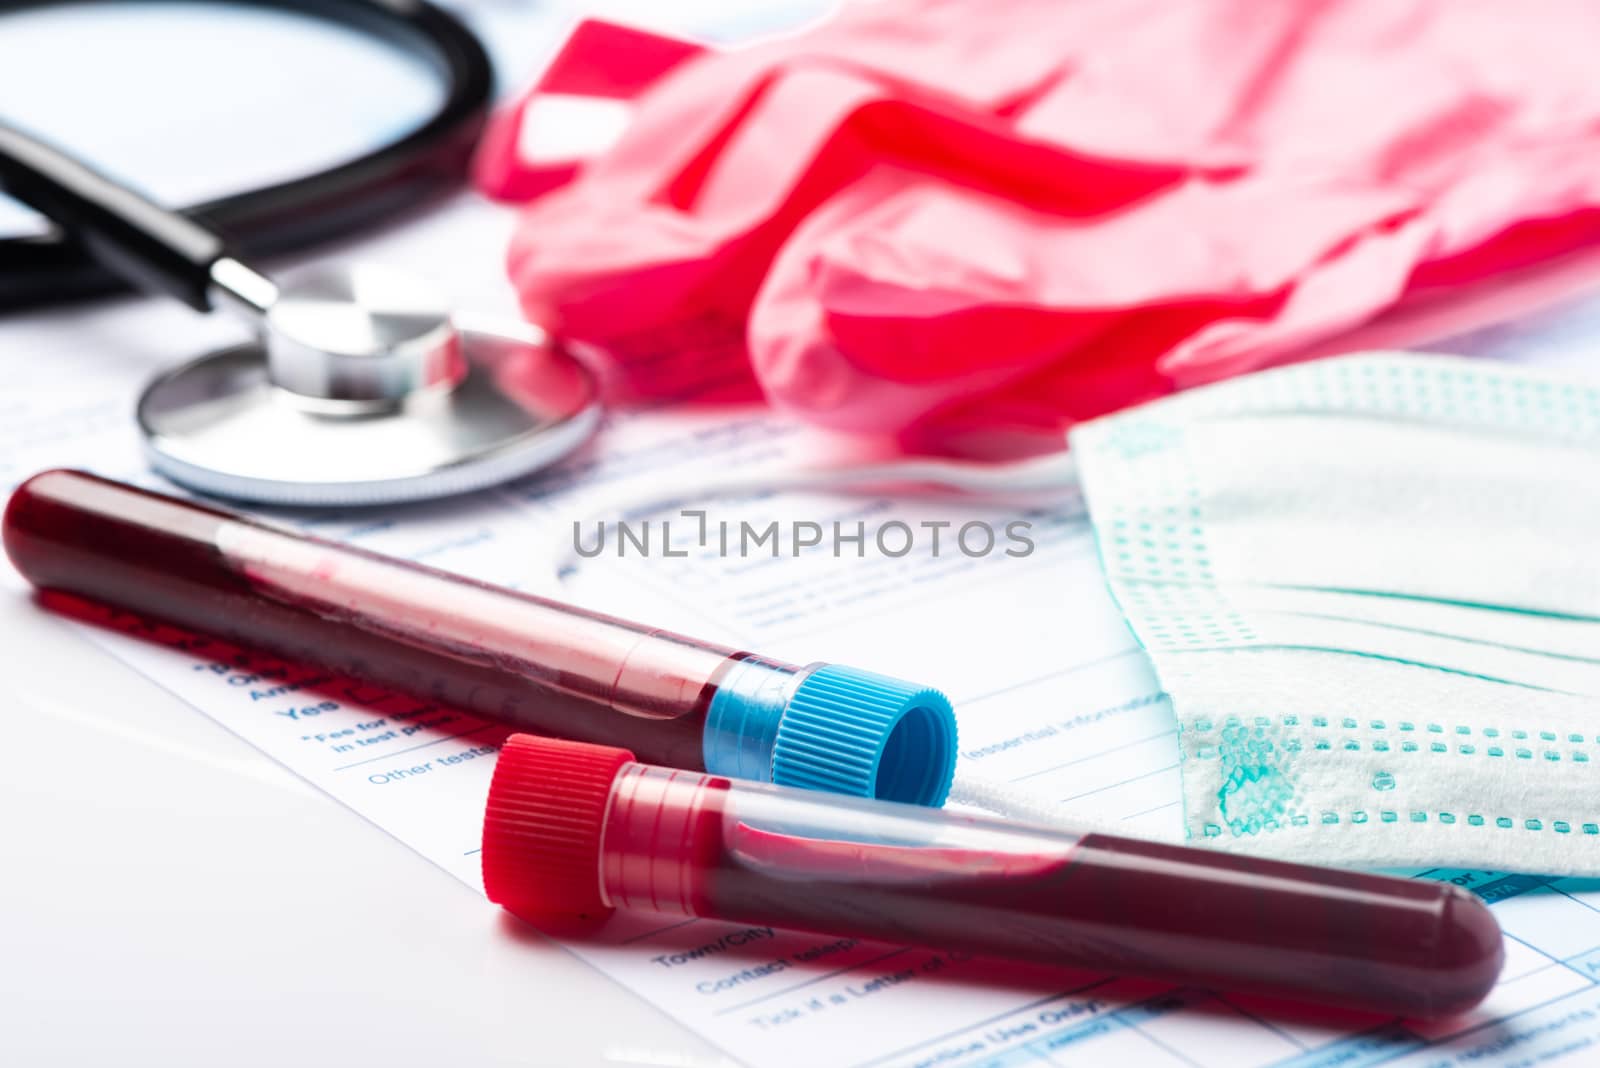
(854, 732)
(833, 728)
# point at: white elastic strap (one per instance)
(1029, 806)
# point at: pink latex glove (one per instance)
(973, 224)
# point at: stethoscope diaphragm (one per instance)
(221, 426)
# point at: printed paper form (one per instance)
(1051, 693)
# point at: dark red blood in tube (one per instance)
(699, 845)
(1404, 947)
(366, 616)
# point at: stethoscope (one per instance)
(361, 386)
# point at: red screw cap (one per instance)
(541, 829)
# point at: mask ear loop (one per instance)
(1025, 805)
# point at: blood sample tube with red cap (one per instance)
(534, 663)
(575, 830)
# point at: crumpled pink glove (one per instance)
(971, 225)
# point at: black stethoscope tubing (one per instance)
(295, 214)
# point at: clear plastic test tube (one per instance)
(575, 830)
(534, 663)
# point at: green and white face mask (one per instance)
(1371, 586)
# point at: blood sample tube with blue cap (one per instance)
(573, 831)
(530, 662)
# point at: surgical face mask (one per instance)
(1371, 587)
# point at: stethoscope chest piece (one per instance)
(361, 389)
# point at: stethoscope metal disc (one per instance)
(220, 426)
